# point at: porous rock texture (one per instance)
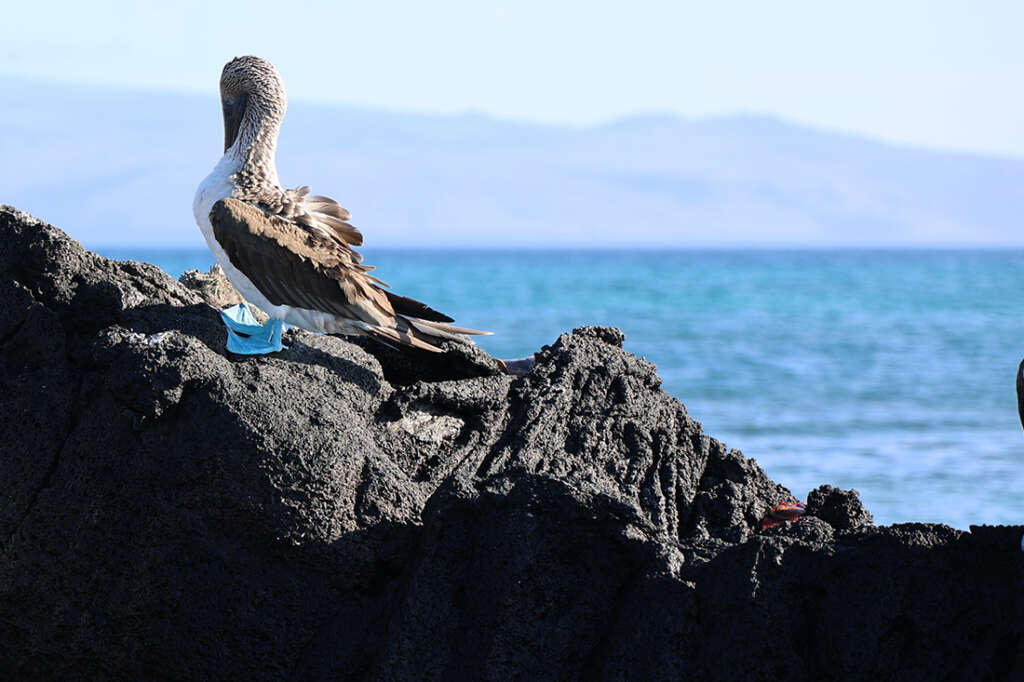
(335, 511)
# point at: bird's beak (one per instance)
(234, 109)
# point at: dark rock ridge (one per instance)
(337, 512)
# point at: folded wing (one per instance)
(294, 265)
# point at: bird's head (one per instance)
(250, 88)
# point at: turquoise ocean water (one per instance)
(891, 372)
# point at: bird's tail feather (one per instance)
(445, 330)
(424, 334)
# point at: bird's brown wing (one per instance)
(321, 216)
(293, 267)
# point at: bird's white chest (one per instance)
(216, 186)
(219, 185)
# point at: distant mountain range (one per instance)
(120, 168)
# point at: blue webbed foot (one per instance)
(246, 336)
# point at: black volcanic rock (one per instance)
(842, 509)
(336, 512)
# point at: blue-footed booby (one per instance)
(287, 251)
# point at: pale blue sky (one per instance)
(937, 74)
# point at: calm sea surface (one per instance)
(891, 372)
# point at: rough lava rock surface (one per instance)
(335, 511)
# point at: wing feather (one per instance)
(413, 308)
(290, 266)
(327, 205)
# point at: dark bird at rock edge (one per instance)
(1020, 392)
